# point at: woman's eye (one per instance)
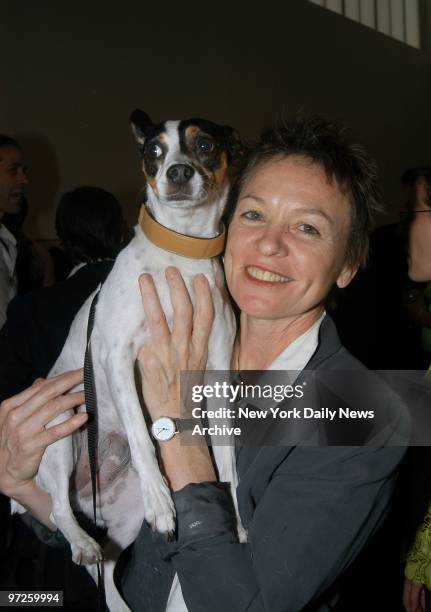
(308, 229)
(205, 145)
(154, 151)
(252, 215)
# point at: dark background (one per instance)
(72, 72)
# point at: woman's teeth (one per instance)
(265, 275)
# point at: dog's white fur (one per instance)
(131, 491)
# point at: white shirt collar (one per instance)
(6, 235)
(298, 354)
(76, 268)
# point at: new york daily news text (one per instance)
(314, 407)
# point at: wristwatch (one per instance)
(165, 428)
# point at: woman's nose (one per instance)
(273, 242)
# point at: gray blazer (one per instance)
(308, 510)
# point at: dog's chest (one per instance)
(120, 321)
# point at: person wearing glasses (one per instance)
(417, 218)
(417, 586)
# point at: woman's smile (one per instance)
(265, 276)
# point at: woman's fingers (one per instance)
(56, 406)
(17, 400)
(27, 428)
(154, 314)
(20, 454)
(21, 430)
(24, 431)
(62, 430)
(35, 397)
(191, 328)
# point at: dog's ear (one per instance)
(233, 139)
(140, 123)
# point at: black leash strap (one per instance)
(91, 405)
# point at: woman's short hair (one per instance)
(90, 224)
(330, 145)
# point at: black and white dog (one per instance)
(185, 164)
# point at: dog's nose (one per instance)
(180, 173)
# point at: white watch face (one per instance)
(163, 429)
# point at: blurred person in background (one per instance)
(13, 180)
(417, 586)
(91, 228)
(34, 264)
(418, 299)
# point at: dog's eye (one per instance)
(154, 151)
(205, 145)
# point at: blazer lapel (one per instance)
(269, 441)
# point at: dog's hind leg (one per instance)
(54, 476)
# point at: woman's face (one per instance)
(420, 237)
(287, 240)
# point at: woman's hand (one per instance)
(23, 432)
(170, 352)
(161, 363)
(413, 596)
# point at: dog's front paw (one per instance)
(86, 551)
(159, 509)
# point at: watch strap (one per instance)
(184, 424)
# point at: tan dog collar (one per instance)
(187, 246)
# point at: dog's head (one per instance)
(185, 163)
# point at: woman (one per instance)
(417, 585)
(299, 228)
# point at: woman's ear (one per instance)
(346, 275)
